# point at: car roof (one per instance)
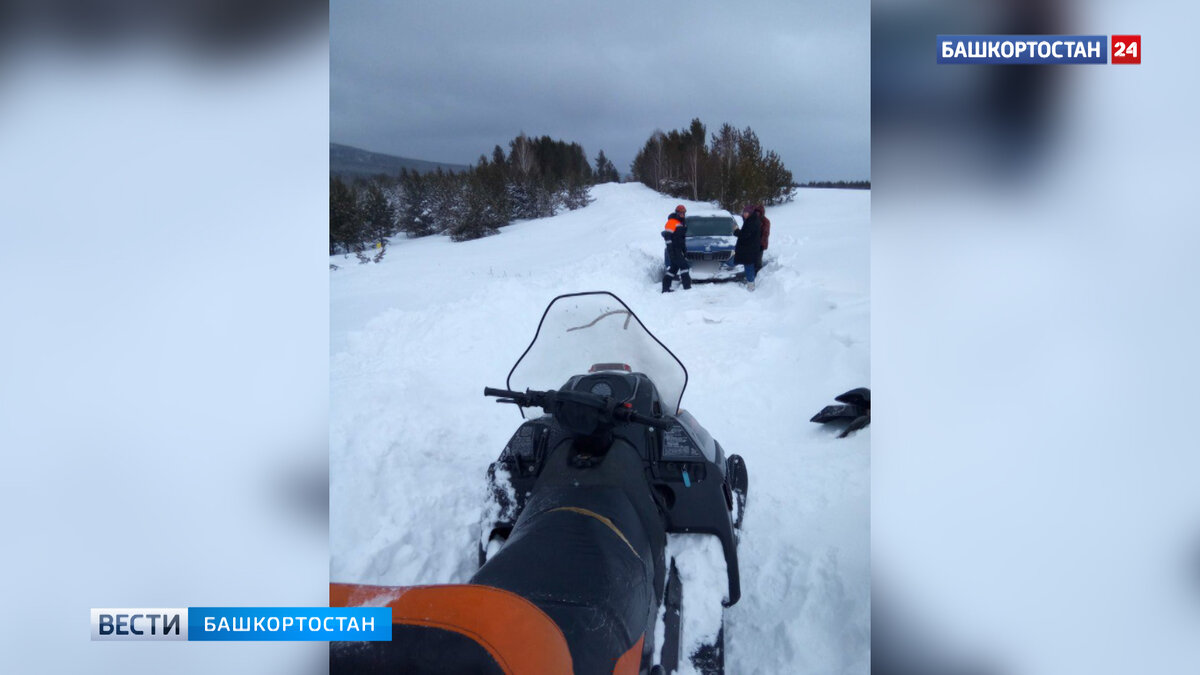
(710, 214)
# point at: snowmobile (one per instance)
(576, 574)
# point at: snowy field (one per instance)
(417, 337)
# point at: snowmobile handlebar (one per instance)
(527, 399)
(631, 416)
(547, 401)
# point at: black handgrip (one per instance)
(658, 422)
(525, 399)
(631, 416)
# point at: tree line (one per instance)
(730, 169)
(839, 184)
(536, 178)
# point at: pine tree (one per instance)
(695, 156)
(778, 180)
(378, 214)
(345, 219)
(606, 171)
(415, 204)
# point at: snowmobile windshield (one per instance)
(581, 330)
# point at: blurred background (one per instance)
(163, 360)
(1035, 501)
(164, 295)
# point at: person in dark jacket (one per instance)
(749, 244)
(766, 234)
(675, 235)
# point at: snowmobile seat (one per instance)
(583, 556)
(452, 629)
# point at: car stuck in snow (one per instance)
(709, 242)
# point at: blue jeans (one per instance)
(749, 269)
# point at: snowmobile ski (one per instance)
(854, 411)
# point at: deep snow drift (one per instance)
(417, 337)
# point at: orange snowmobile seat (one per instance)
(452, 628)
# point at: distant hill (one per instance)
(348, 161)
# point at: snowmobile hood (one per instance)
(581, 329)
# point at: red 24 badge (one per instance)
(1127, 49)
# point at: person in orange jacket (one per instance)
(675, 235)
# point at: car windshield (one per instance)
(709, 226)
(580, 330)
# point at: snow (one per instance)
(701, 566)
(416, 337)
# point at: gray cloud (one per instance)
(447, 81)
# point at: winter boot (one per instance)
(687, 281)
(666, 283)
(750, 285)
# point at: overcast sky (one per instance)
(448, 80)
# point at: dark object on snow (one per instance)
(859, 397)
(574, 567)
(835, 413)
(855, 411)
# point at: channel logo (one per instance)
(150, 624)
(240, 624)
(1038, 49)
